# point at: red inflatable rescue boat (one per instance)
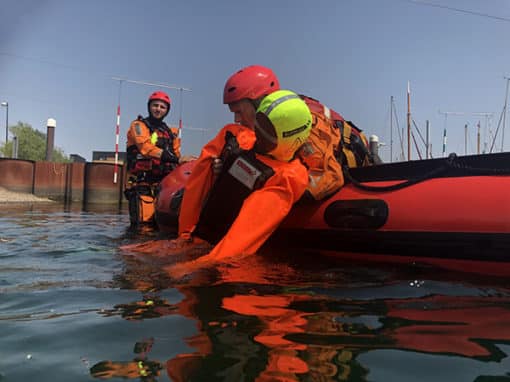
(450, 208)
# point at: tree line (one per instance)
(31, 145)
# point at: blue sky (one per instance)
(58, 57)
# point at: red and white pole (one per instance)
(180, 113)
(117, 131)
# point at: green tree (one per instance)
(31, 144)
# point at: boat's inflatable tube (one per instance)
(457, 207)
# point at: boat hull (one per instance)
(446, 208)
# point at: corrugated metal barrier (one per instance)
(90, 183)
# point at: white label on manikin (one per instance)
(244, 172)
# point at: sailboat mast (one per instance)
(408, 121)
(504, 115)
(427, 145)
(391, 129)
(465, 138)
(478, 137)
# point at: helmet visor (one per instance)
(265, 132)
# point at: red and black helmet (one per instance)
(252, 82)
(159, 96)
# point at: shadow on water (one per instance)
(74, 307)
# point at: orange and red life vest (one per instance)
(145, 142)
(333, 142)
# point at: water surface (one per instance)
(73, 307)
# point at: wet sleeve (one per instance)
(261, 213)
(140, 135)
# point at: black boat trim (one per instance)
(444, 245)
(412, 172)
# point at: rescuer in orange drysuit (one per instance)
(243, 92)
(153, 150)
(259, 182)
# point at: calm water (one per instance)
(73, 307)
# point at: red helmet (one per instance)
(252, 82)
(161, 96)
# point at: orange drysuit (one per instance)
(147, 139)
(140, 135)
(261, 212)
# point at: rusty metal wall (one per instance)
(76, 188)
(50, 179)
(99, 185)
(59, 181)
(17, 175)
(91, 183)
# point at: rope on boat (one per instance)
(451, 162)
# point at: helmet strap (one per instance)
(256, 102)
(154, 121)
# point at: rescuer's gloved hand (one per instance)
(217, 166)
(168, 157)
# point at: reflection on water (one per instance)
(140, 367)
(73, 307)
(322, 322)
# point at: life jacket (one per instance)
(161, 136)
(242, 174)
(352, 144)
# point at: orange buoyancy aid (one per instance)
(352, 148)
(318, 153)
(201, 178)
(333, 142)
(145, 142)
